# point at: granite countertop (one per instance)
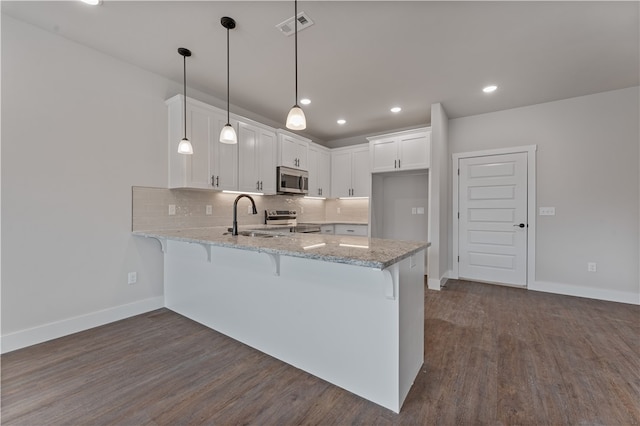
(362, 251)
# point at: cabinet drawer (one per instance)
(326, 229)
(359, 230)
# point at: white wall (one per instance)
(80, 129)
(588, 169)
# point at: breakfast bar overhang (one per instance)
(349, 310)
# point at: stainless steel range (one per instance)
(288, 218)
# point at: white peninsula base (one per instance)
(357, 327)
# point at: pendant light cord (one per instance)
(295, 24)
(228, 121)
(184, 74)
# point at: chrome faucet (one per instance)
(234, 230)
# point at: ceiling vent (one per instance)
(287, 27)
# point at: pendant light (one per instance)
(184, 147)
(296, 119)
(228, 133)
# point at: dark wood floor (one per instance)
(494, 355)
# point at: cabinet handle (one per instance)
(350, 230)
(398, 163)
(218, 180)
(212, 181)
(260, 185)
(394, 163)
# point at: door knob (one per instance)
(521, 225)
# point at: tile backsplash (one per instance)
(151, 208)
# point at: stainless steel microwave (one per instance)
(292, 181)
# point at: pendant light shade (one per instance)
(184, 147)
(296, 119)
(228, 133)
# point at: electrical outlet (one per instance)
(301, 209)
(547, 211)
(592, 267)
(172, 209)
(420, 210)
(132, 277)
(413, 210)
(338, 210)
(249, 209)
(209, 209)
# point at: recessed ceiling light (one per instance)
(305, 101)
(92, 2)
(396, 109)
(341, 121)
(490, 89)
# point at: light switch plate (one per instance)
(413, 210)
(209, 209)
(547, 211)
(420, 210)
(132, 277)
(172, 209)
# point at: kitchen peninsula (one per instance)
(346, 309)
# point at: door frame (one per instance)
(530, 150)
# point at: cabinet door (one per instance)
(361, 173)
(224, 173)
(267, 149)
(248, 174)
(302, 150)
(384, 155)
(340, 174)
(293, 152)
(199, 129)
(314, 181)
(414, 151)
(324, 173)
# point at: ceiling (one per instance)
(361, 58)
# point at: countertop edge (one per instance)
(305, 255)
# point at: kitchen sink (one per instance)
(256, 234)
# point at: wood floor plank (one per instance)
(493, 355)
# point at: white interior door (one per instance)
(492, 225)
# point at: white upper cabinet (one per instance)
(319, 162)
(292, 150)
(409, 150)
(257, 158)
(350, 172)
(212, 165)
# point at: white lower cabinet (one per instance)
(359, 230)
(257, 159)
(326, 229)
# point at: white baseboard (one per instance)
(433, 284)
(588, 292)
(23, 338)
